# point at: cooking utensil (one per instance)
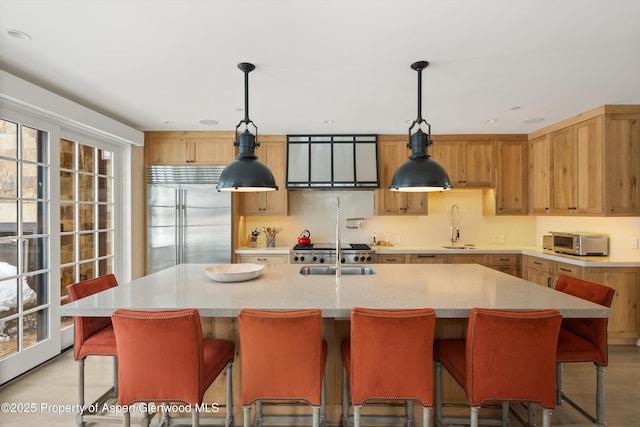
(305, 238)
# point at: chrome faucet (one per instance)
(338, 254)
(454, 236)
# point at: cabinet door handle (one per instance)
(537, 263)
(504, 259)
(566, 269)
(426, 256)
(261, 259)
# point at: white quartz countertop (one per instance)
(451, 289)
(583, 261)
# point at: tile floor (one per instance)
(53, 385)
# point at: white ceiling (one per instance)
(167, 64)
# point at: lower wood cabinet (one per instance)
(392, 259)
(426, 259)
(507, 263)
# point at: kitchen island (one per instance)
(451, 289)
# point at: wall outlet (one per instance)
(397, 239)
(501, 238)
(494, 238)
(635, 244)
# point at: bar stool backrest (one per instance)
(281, 355)
(160, 356)
(87, 326)
(593, 330)
(511, 356)
(391, 355)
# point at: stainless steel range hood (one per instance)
(332, 162)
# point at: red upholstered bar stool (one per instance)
(584, 340)
(164, 359)
(388, 357)
(93, 337)
(507, 356)
(283, 358)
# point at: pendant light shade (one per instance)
(246, 172)
(420, 173)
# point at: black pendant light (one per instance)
(420, 173)
(246, 172)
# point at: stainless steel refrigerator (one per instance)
(188, 220)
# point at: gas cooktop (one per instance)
(332, 246)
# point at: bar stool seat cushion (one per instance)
(217, 353)
(102, 342)
(574, 348)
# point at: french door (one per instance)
(29, 331)
(61, 218)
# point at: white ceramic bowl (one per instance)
(233, 272)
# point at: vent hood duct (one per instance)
(332, 162)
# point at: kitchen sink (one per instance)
(459, 247)
(328, 270)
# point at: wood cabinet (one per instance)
(507, 263)
(391, 259)
(265, 258)
(189, 148)
(511, 178)
(467, 259)
(538, 270)
(578, 153)
(540, 173)
(469, 163)
(624, 322)
(272, 152)
(426, 259)
(392, 152)
(588, 164)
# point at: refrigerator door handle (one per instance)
(178, 227)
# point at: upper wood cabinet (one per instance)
(509, 195)
(540, 172)
(588, 165)
(469, 163)
(392, 152)
(189, 148)
(272, 152)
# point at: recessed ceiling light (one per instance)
(208, 122)
(533, 120)
(491, 121)
(168, 122)
(19, 34)
(328, 122)
(514, 108)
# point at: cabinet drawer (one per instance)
(505, 259)
(391, 259)
(264, 259)
(467, 259)
(426, 259)
(509, 269)
(567, 270)
(539, 264)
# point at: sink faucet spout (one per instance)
(454, 236)
(338, 254)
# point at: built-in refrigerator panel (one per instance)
(187, 222)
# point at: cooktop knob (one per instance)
(321, 260)
(355, 258)
(295, 258)
(314, 259)
(301, 258)
(368, 258)
(342, 260)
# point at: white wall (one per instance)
(315, 211)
